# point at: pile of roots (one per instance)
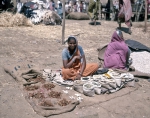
(8, 19)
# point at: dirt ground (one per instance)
(43, 45)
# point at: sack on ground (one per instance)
(77, 16)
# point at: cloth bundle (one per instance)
(77, 16)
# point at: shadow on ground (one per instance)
(124, 29)
(93, 23)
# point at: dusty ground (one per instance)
(42, 45)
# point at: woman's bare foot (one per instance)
(129, 31)
(94, 22)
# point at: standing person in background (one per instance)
(47, 5)
(70, 6)
(53, 5)
(125, 13)
(58, 3)
(78, 6)
(84, 7)
(50, 5)
(116, 8)
(81, 6)
(116, 4)
(19, 6)
(66, 6)
(108, 10)
(93, 9)
(74, 62)
(60, 10)
(75, 7)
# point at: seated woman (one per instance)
(74, 62)
(117, 52)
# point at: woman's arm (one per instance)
(83, 64)
(68, 64)
(79, 75)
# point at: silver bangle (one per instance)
(73, 60)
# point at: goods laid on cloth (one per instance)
(140, 55)
(141, 61)
(77, 16)
(46, 98)
(11, 20)
(109, 82)
(135, 72)
(106, 81)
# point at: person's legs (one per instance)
(90, 69)
(119, 23)
(95, 12)
(129, 24)
(90, 8)
(68, 73)
(129, 30)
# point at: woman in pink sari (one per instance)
(117, 52)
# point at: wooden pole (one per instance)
(63, 25)
(139, 11)
(145, 16)
(112, 9)
(100, 12)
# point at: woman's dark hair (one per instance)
(119, 33)
(70, 38)
(121, 2)
(60, 4)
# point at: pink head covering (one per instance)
(117, 36)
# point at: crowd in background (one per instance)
(70, 5)
(75, 6)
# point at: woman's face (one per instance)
(72, 44)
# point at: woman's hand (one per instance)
(78, 77)
(69, 64)
(77, 57)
